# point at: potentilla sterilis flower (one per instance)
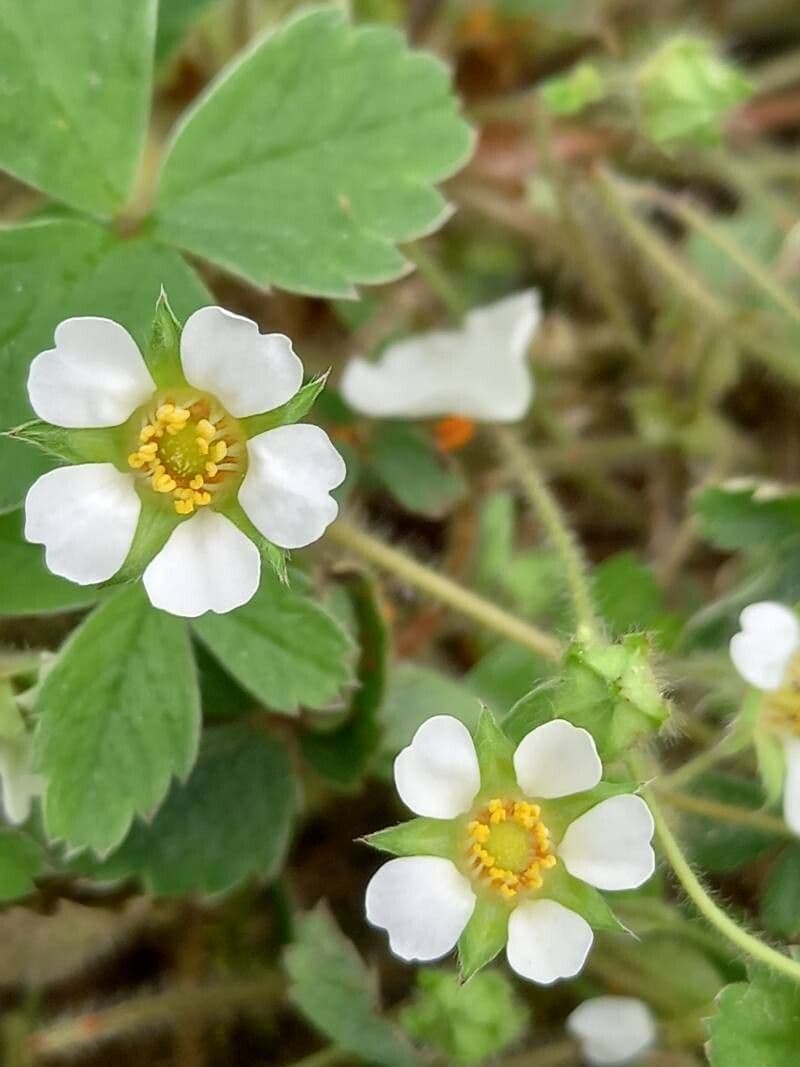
(476, 373)
(185, 455)
(612, 1030)
(523, 839)
(766, 653)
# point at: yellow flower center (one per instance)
(509, 846)
(187, 450)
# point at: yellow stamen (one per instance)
(509, 847)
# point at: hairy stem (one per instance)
(520, 461)
(729, 813)
(444, 589)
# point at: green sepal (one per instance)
(162, 353)
(484, 935)
(276, 557)
(495, 757)
(292, 411)
(580, 897)
(100, 445)
(771, 764)
(157, 520)
(560, 813)
(417, 837)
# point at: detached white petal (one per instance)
(207, 564)
(19, 784)
(557, 759)
(248, 371)
(286, 491)
(85, 517)
(612, 1030)
(791, 787)
(609, 846)
(547, 941)
(480, 370)
(423, 903)
(437, 774)
(95, 375)
(769, 637)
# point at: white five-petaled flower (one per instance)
(612, 1030)
(185, 450)
(507, 849)
(765, 652)
(479, 371)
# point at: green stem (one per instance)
(444, 590)
(520, 461)
(438, 280)
(720, 812)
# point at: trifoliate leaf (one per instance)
(332, 988)
(77, 84)
(119, 716)
(757, 1022)
(747, 515)
(312, 156)
(282, 647)
(408, 466)
(20, 863)
(52, 270)
(26, 586)
(467, 1024)
(574, 91)
(232, 818)
(417, 837)
(484, 936)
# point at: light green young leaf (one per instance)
(484, 936)
(119, 716)
(282, 647)
(52, 270)
(77, 85)
(232, 818)
(757, 1022)
(417, 837)
(20, 863)
(312, 156)
(333, 989)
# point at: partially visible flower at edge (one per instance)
(478, 371)
(185, 458)
(612, 1030)
(765, 653)
(19, 785)
(520, 839)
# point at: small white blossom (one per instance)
(479, 371)
(183, 449)
(763, 653)
(612, 1030)
(425, 902)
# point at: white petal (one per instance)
(249, 372)
(609, 846)
(438, 774)
(286, 489)
(769, 637)
(19, 784)
(207, 564)
(95, 376)
(547, 941)
(480, 370)
(791, 787)
(85, 517)
(423, 903)
(557, 759)
(612, 1030)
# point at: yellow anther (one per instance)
(164, 483)
(184, 507)
(202, 445)
(146, 433)
(513, 831)
(150, 449)
(197, 482)
(164, 413)
(206, 429)
(211, 470)
(507, 891)
(136, 460)
(498, 816)
(218, 451)
(202, 498)
(547, 862)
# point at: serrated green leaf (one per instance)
(52, 270)
(409, 467)
(20, 863)
(736, 516)
(84, 76)
(417, 837)
(484, 936)
(495, 756)
(282, 647)
(332, 988)
(119, 716)
(292, 411)
(315, 198)
(26, 586)
(757, 1023)
(231, 819)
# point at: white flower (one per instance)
(184, 451)
(612, 1030)
(19, 784)
(424, 902)
(479, 371)
(762, 653)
